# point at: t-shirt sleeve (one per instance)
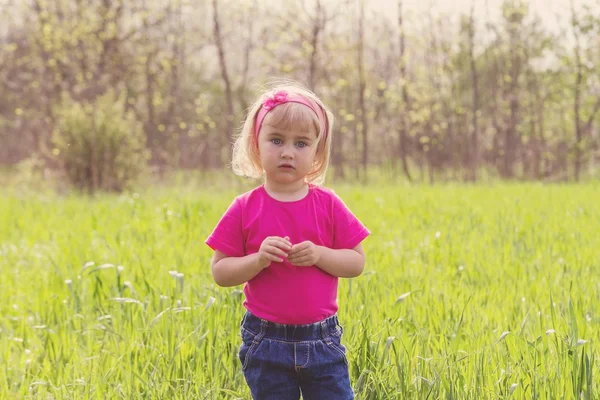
(227, 235)
(348, 230)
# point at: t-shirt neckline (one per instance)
(271, 198)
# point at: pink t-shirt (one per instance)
(284, 293)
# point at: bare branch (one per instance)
(224, 71)
(590, 121)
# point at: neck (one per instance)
(286, 191)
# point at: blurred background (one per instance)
(100, 92)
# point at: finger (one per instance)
(279, 238)
(300, 246)
(281, 243)
(276, 251)
(301, 262)
(273, 258)
(300, 253)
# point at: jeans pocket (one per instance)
(247, 335)
(247, 347)
(336, 344)
(338, 331)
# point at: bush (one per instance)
(99, 145)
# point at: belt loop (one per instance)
(324, 333)
(263, 331)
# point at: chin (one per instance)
(286, 179)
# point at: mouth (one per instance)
(286, 166)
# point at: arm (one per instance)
(343, 263)
(345, 257)
(233, 271)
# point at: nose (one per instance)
(287, 151)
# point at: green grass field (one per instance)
(485, 292)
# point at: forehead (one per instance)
(269, 130)
(292, 118)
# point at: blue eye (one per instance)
(276, 141)
(301, 144)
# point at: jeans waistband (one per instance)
(316, 331)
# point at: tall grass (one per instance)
(485, 292)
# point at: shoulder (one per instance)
(326, 195)
(322, 191)
(244, 199)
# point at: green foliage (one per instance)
(100, 145)
(525, 75)
(469, 292)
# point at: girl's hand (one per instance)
(304, 254)
(273, 249)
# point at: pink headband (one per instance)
(282, 97)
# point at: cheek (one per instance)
(267, 152)
(309, 159)
(311, 153)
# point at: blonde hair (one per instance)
(246, 157)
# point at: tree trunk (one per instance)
(577, 103)
(510, 138)
(474, 159)
(247, 51)
(403, 132)
(582, 130)
(362, 88)
(432, 65)
(316, 29)
(543, 163)
(224, 73)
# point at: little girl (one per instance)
(289, 240)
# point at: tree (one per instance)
(583, 70)
(224, 71)
(474, 151)
(406, 104)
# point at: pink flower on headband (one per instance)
(276, 99)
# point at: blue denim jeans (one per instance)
(280, 362)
